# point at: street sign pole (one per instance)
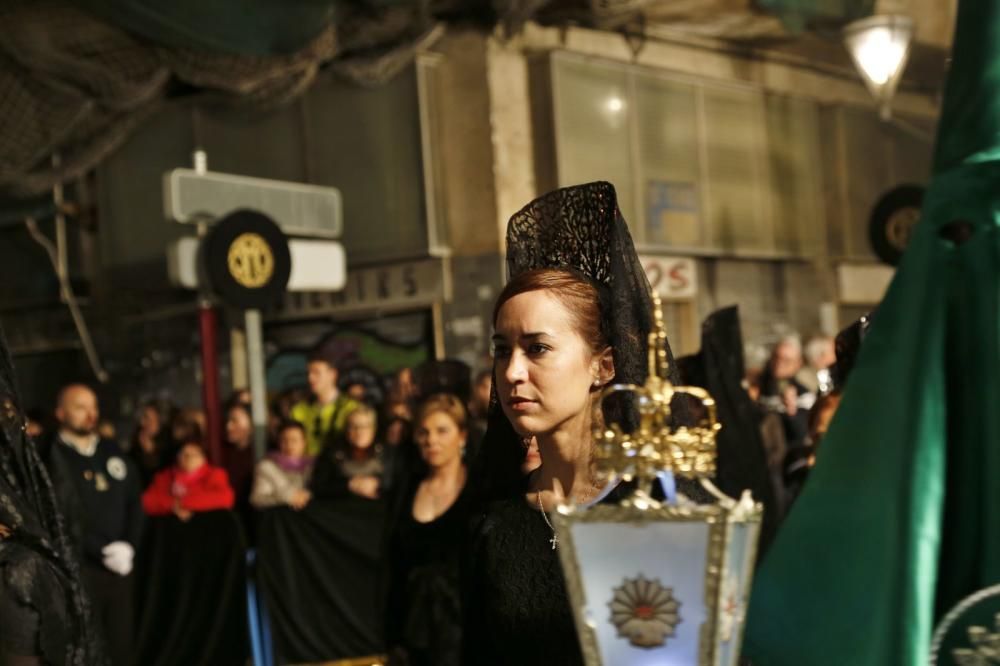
(258, 385)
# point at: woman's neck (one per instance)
(566, 456)
(450, 473)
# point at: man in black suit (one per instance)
(99, 493)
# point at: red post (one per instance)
(210, 400)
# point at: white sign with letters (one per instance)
(673, 278)
(387, 286)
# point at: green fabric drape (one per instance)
(899, 519)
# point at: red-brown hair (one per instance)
(575, 292)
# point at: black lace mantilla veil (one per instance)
(43, 611)
(579, 228)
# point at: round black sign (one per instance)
(893, 220)
(246, 260)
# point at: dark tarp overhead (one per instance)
(77, 77)
(248, 27)
(797, 14)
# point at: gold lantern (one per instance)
(654, 582)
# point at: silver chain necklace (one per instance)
(555, 538)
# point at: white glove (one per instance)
(118, 556)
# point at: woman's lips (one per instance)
(521, 404)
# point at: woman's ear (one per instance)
(604, 367)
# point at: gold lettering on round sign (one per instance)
(251, 262)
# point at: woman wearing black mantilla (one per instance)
(573, 318)
(43, 612)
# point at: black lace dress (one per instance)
(424, 614)
(516, 608)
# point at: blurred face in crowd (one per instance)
(77, 410)
(440, 439)
(292, 442)
(322, 377)
(821, 353)
(405, 387)
(356, 392)
(545, 370)
(396, 432)
(149, 420)
(786, 360)
(34, 428)
(239, 429)
(399, 410)
(190, 457)
(187, 425)
(360, 429)
(106, 429)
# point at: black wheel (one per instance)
(893, 220)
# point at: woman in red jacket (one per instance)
(190, 486)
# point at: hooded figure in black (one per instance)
(515, 606)
(44, 615)
(718, 368)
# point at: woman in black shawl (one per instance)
(43, 611)
(573, 318)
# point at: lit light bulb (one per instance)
(615, 104)
(879, 46)
(879, 55)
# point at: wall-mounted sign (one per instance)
(389, 286)
(673, 278)
(672, 213)
(892, 221)
(246, 260)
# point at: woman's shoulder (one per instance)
(217, 474)
(267, 466)
(498, 516)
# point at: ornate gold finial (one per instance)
(657, 444)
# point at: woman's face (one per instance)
(395, 433)
(545, 371)
(440, 439)
(149, 420)
(238, 427)
(190, 457)
(292, 442)
(360, 430)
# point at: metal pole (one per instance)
(258, 386)
(210, 399)
(238, 358)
